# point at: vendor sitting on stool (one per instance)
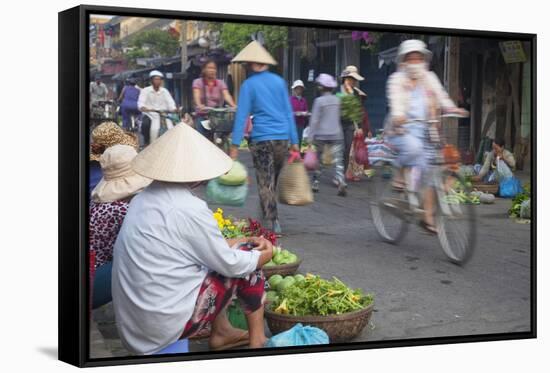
(173, 272)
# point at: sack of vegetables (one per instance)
(226, 194)
(340, 311)
(236, 176)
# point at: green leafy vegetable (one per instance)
(316, 296)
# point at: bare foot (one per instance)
(227, 338)
(258, 343)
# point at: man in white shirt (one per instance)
(98, 90)
(155, 98)
(173, 272)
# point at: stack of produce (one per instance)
(281, 256)
(278, 283)
(456, 198)
(238, 228)
(314, 296)
(229, 189)
(459, 195)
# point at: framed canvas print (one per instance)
(236, 186)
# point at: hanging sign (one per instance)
(512, 51)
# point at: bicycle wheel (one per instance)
(455, 217)
(387, 205)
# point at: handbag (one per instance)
(361, 151)
(294, 186)
(311, 161)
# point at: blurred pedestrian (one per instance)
(350, 86)
(325, 131)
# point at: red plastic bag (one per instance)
(311, 161)
(361, 152)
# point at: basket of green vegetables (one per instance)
(284, 262)
(330, 305)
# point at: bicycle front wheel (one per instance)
(387, 205)
(456, 217)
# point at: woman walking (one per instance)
(264, 95)
(326, 131)
(350, 81)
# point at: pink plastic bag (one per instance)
(311, 161)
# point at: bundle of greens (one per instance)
(351, 108)
(515, 210)
(316, 296)
(460, 193)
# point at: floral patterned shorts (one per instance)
(216, 293)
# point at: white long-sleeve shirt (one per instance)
(167, 243)
(156, 100)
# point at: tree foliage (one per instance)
(235, 36)
(152, 43)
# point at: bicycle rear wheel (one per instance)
(455, 217)
(387, 205)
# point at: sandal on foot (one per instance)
(431, 229)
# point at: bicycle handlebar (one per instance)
(208, 109)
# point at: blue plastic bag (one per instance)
(299, 335)
(226, 194)
(509, 187)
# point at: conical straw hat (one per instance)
(182, 155)
(254, 52)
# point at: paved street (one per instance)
(418, 293)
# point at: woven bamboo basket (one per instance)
(283, 269)
(340, 328)
(485, 187)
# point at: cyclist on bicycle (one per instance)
(128, 99)
(153, 99)
(209, 92)
(415, 93)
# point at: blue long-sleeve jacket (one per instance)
(264, 95)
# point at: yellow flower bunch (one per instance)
(223, 223)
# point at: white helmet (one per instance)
(155, 73)
(413, 45)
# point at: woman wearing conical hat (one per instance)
(264, 96)
(173, 272)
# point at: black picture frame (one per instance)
(73, 180)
